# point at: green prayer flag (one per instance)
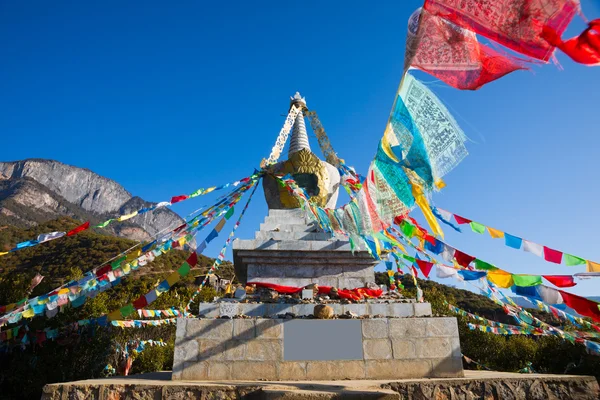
(196, 193)
(477, 227)
(409, 258)
(127, 310)
(527, 280)
(184, 269)
(115, 264)
(104, 224)
(483, 265)
(229, 213)
(572, 260)
(407, 229)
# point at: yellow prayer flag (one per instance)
(220, 225)
(495, 233)
(63, 291)
(182, 241)
(210, 189)
(127, 216)
(3, 253)
(115, 315)
(500, 278)
(126, 268)
(29, 313)
(173, 278)
(440, 184)
(593, 266)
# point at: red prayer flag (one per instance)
(80, 228)
(461, 220)
(193, 259)
(552, 255)
(463, 258)
(425, 267)
(174, 244)
(560, 280)
(516, 24)
(582, 305)
(584, 49)
(177, 199)
(140, 303)
(453, 54)
(103, 270)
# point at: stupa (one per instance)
(238, 339)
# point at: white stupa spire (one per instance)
(299, 139)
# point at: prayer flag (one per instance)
(220, 225)
(184, 269)
(193, 259)
(593, 266)
(104, 224)
(177, 199)
(442, 271)
(212, 235)
(448, 253)
(549, 295)
(460, 220)
(44, 237)
(483, 265)
(571, 260)
(471, 275)
(517, 25)
(127, 310)
(151, 296)
(584, 49)
(560, 280)
(407, 229)
(495, 233)
(512, 241)
(527, 280)
(477, 227)
(500, 278)
(453, 54)
(552, 255)
(425, 267)
(173, 278)
(582, 305)
(80, 228)
(127, 216)
(533, 248)
(229, 213)
(140, 302)
(463, 258)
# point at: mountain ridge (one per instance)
(37, 190)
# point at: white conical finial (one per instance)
(299, 138)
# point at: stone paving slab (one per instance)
(475, 385)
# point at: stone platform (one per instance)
(315, 349)
(486, 385)
(290, 250)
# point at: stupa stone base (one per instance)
(487, 385)
(313, 349)
(398, 309)
(290, 250)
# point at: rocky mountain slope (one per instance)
(35, 190)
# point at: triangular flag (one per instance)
(463, 258)
(425, 267)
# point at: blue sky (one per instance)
(169, 97)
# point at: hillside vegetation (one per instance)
(85, 353)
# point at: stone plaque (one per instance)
(322, 340)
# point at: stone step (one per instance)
(295, 235)
(291, 213)
(328, 392)
(297, 245)
(287, 221)
(270, 226)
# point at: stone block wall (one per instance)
(251, 349)
(406, 308)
